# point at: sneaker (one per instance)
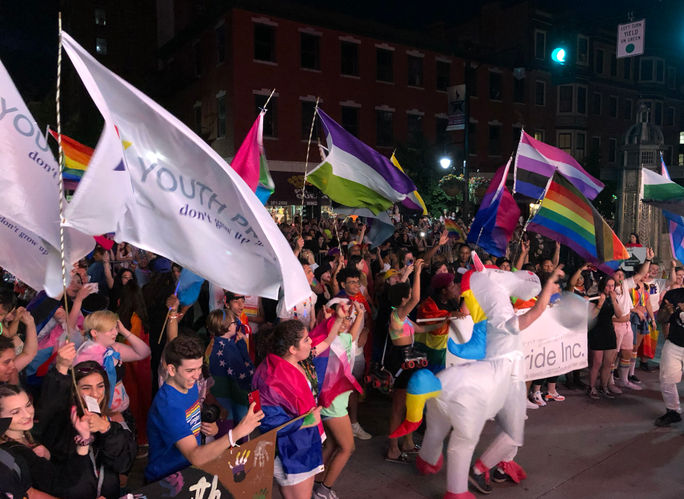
(645, 366)
(634, 379)
(668, 418)
(479, 482)
(538, 399)
(594, 394)
(499, 475)
(320, 491)
(629, 384)
(614, 389)
(531, 405)
(360, 433)
(605, 393)
(554, 396)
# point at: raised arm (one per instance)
(402, 312)
(556, 254)
(643, 270)
(575, 277)
(31, 342)
(136, 349)
(524, 252)
(355, 330)
(172, 304)
(106, 264)
(542, 302)
(443, 239)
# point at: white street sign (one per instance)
(630, 38)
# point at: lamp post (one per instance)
(445, 162)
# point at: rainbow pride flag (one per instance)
(455, 230)
(567, 216)
(76, 157)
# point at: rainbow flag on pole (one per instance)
(565, 215)
(76, 157)
(455, 230)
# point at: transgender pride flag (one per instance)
(536, 162)
(675, 225)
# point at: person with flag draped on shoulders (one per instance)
(287, 387)
(443, 302)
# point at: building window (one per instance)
(612, 150)
(680, 158)
(197, 118)
(681, 138)
(582, 50)
(385, 65)
(220, 115)
(101, 46)
(539, 135)
(307, 116)
(582, 100)
(627, 109)
(350, 119)
(565, 99)
(494, 86)
(596, 103)
(221, 43)
(264, 43)
(671, 78)
(197, 58)
(415, 129)
(441, 134)
(472, 139)
(660, 71)
(310, 51)
(443, 75)
(349, 55)
(540, 45)
(669, 116)
(598, 61)
(627, 68)
(613, 106)
(271, 117)
(646, 70)
(595, 145)
(519, 90)
(613, 65)
(565, 142)
(580, 145)
(384, 128)
(100, 17)
(415, 71)
(658, 115)
(540, 93)
(494, 146)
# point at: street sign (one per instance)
(456, 114)
(630, 38)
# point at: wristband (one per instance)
(230, 439)
(647, 260)
(83, 442)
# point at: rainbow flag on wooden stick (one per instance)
(76, 157)
(455, 230)
(567, 216)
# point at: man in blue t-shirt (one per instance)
(174, 423)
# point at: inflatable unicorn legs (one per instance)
(462, 398)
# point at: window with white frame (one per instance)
(582, 50)
(540, 93)
(540, 44)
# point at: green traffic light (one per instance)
(558, 55)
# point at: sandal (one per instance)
(402, 459)
(415, 450)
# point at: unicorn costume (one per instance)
(464, 397)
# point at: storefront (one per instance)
(286, 202)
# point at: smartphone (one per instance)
(254, 397)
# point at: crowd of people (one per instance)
(118, 370)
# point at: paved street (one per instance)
(579, 448)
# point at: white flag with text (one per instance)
(29, 211)
(158, 186)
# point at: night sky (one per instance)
(28, 28)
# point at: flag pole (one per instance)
(268, 100)
(60, 187)
(306, 166)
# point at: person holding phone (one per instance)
(174, 422)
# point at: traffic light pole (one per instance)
(465, 209)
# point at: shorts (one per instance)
(623, 335)
(671, 363)
(394, 361)
(338, 407)
(285, 480)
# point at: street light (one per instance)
(445, 162)
(559, 55)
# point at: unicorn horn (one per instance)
(477, 263)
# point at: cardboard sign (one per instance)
(190, 483)
(637, 255)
